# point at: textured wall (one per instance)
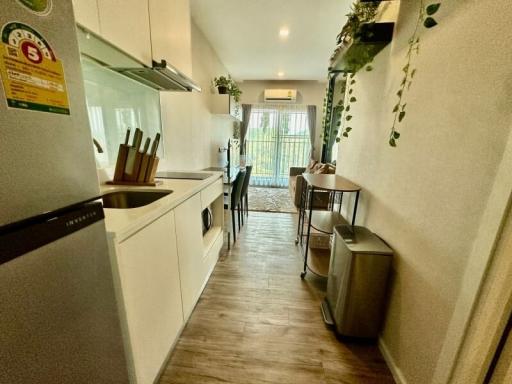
(427, 196)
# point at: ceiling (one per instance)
(245, 35)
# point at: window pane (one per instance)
(277, 139)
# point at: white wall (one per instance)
(308, 93)
(427, 196)
(191, 133)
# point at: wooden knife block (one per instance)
(134, 167)
(121, 162)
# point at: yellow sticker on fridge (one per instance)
(32, 76)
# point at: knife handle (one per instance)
(135, 137)
(127, 138)
(146, 146)
(154, 148)
(139, 140)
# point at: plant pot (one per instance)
(222, 90)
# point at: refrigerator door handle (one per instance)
(19, 238)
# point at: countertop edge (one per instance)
(119, 233)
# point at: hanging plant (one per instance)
(226, 85)
(338, 110)
(425, 19)
(350, 100)
(360, 12)
(327, 108)
(235, 91)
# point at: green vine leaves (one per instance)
(339, 109)
(327, 107)
(350, 100)
(425, 18)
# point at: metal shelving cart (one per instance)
(316, 226)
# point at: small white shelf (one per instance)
(210, 237)
(227, 106)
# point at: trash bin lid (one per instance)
(361, 240)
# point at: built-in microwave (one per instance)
(207, 219)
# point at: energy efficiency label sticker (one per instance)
(32, 77)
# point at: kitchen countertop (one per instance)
(122, 223)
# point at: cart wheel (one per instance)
(302, 275)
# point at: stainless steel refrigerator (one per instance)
(58, 315)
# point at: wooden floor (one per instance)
(258, 322)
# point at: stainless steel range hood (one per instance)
(161, 76)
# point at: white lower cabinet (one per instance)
(159, 273)
(150, 285)
(190, 251)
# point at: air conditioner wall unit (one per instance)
(280, 95)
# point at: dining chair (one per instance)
(236, 194)
(245, 192)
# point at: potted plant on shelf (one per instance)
(360, 13)
(222, 83)
(226, 85)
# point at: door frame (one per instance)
(485, 300)
(490, 316)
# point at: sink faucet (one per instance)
(97, 145)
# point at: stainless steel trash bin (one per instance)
(356, 285)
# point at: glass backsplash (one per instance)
(116, 103)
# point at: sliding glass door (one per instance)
(277, 139)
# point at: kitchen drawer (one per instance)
(213, 254)
(210, 193)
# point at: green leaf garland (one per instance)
(424, 18)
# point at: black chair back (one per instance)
(247, 178)
(236, 192)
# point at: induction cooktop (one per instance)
(183, 175)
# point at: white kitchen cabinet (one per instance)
(213, 198)
(125, 23)
(150, 285)
(171, 33)
(189, 238)
(86, 14)
(211, 193)
(226, 105)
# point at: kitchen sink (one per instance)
(131, 199)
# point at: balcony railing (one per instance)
(272, 159)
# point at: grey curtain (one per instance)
(312, 128)
(246, 116)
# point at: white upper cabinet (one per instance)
(86, 14)
(125, 23)
(145, 29)
(171, 33)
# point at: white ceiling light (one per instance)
(284, 32)
(280, 73)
